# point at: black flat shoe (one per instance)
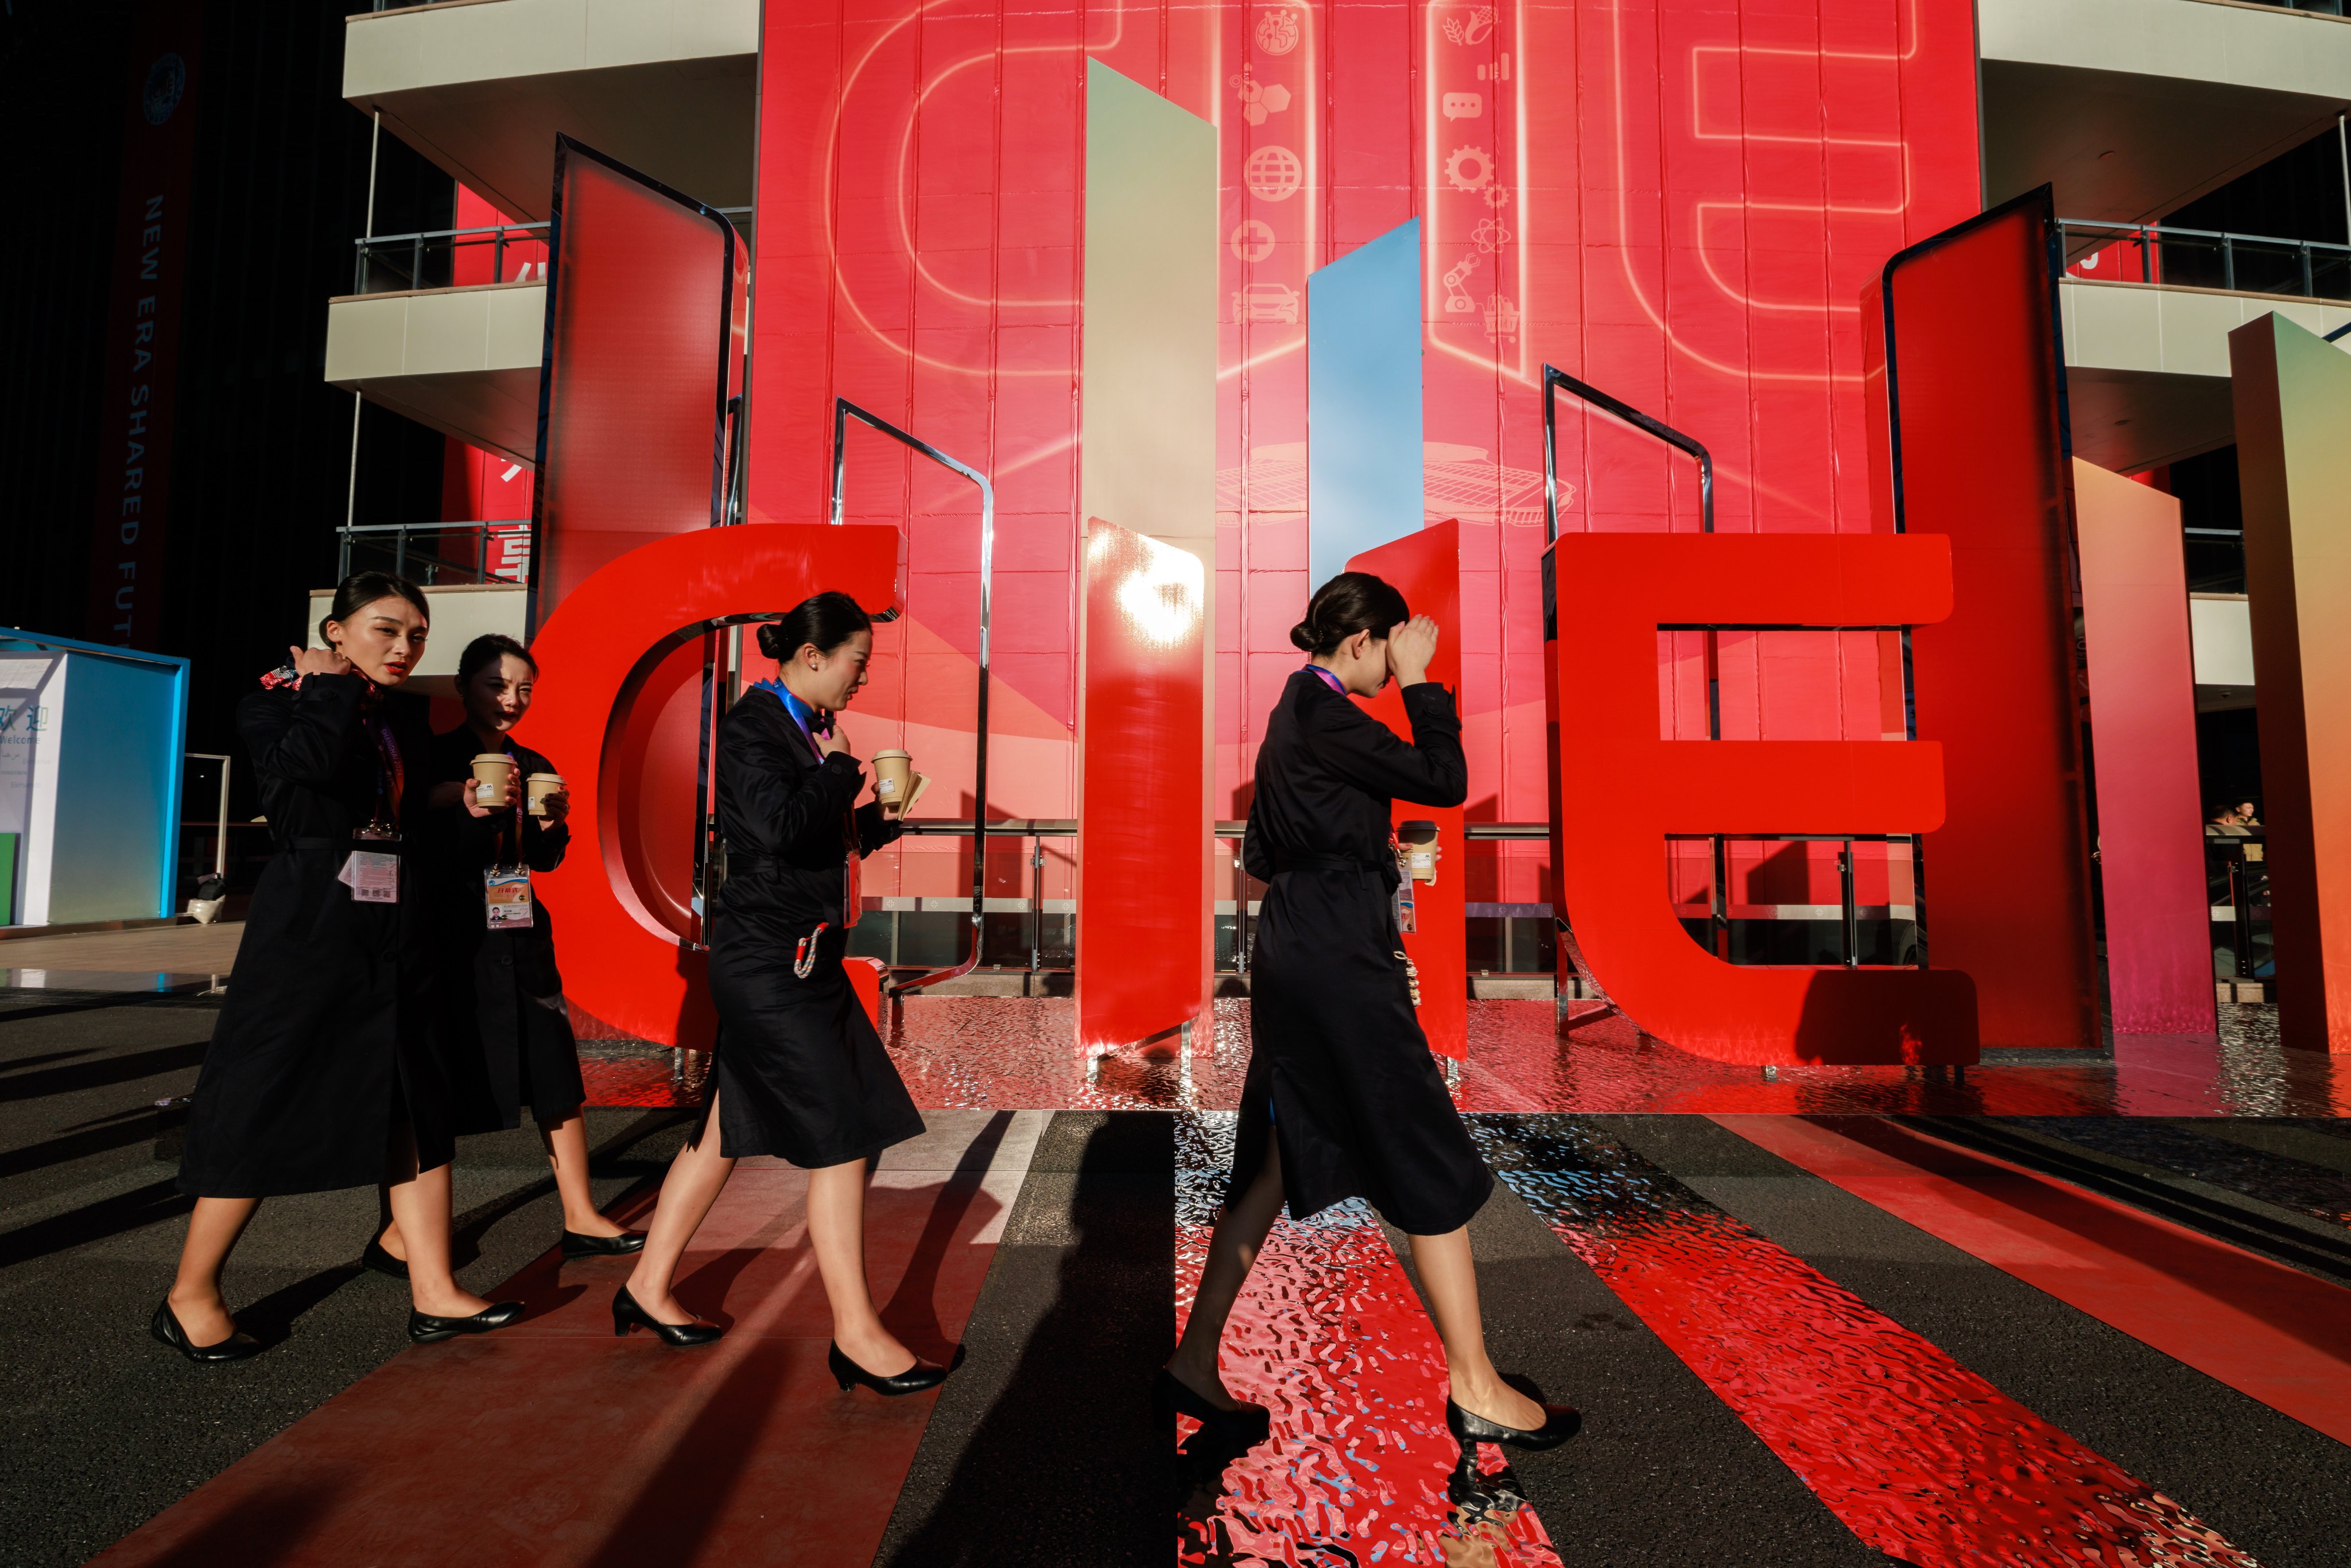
(627, 1315)
(424, 1328)
(913, 1380)
(1560, 1422)
(1171, 1397)
(166, 1327)
(374, 1256)
(578, 1246)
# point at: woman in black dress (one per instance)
(1343, 1098)
(798, 1073)
(321, 1073)
(505, 1036)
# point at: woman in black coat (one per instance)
(506, 1034)
(1343, 1098)
(799, 1073)
(322, 1072)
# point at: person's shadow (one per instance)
(1043, 1449)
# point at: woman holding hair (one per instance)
(321, 1073)
(506, 1035)
(799, 1073)
(1343, 1098)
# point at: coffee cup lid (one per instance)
(557, 778)
(494, 757)
(879, 755)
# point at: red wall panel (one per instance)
(1142, 825)
(1965, 361)
(1425, 567)
(1677, 200)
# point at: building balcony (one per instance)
(2133, 108)
(481, 87)
(2146, 312)
(462, 360)
(476, 578)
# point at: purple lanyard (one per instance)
(1327, 678)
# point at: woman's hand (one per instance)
(556, 805)
(830, 741)
(320, 661)
(455, 793)
(1411, 645)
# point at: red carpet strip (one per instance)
(1918, 1457)
(554, 1443)
(2271, 1332)
(1330, 1335)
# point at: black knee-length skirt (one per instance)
(1340, 1072)
(799, 1073)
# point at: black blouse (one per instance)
(317, 767)
(473, 842)
(786, 816)
(1327, 772)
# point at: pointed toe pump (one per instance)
(913, 1380)
(1171, 1397)
(166, 1328)
(576, 1245)
(1560, 1422)
(374, 1256)
(627, 1316)
(427, 1329)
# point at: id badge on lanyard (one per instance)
(1407, 916)
(373, 877)
(506, 897)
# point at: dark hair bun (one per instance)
(825, 619)
(771, 637)
(1349, 602)
(1301, 637)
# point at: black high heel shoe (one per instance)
(1245, 1425)
(166, 1327)
(913, 1380)
(1560, 1422)
(427, 1329)
(627, 1315)
(576, 1245)
(374, 1256)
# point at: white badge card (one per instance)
(373, 878)
(505, 898)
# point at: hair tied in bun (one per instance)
(1349, 602)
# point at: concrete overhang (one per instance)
(2147, 365)
(481, 86)
(455, 615)
(2133, 108)
(464, 361)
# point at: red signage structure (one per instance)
(1144, 941)
(142, 332)
(596, 715)
(1623, 790)
(1425, 567)
(1962, 355)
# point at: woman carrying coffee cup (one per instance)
(497, 814)
(321, 1073)
(799, 1073)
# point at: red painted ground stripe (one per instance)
(2269, 1331)
(1918, 1457)
(1330, 1335)
(553, 1443)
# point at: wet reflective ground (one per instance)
(1020, 1053)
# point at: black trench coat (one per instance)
(325, 1042)
(799, 1071)
(1339, 1068)
(507, 1034)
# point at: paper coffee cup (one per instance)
(893, 777)
(538, 787)
(494, 779)
(1421, 851)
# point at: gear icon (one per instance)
(1496, 196)
(1469, 169)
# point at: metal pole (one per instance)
(2343, 147)
(1036, 903)
(1852, 914)
(352, 500)
(2228, 262)
(220, 849)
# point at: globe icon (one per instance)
(1272, 173)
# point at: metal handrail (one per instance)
(2146, 236)
(843, 411)
(1554, 378)
(401, 552)
(366, 246)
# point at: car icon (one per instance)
(1272, 302)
